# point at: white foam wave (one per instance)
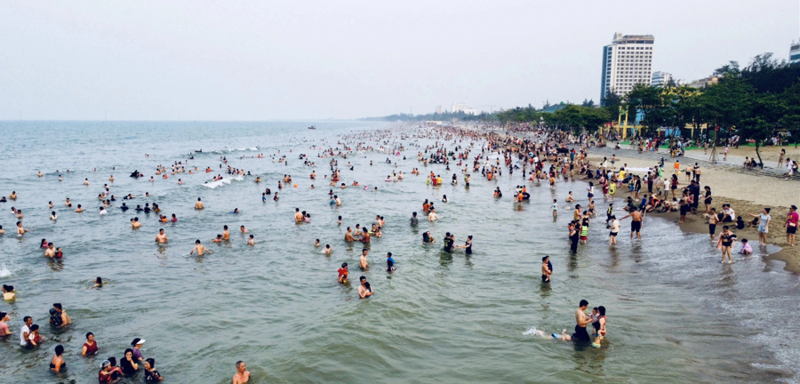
(215, 184)
(530, 331)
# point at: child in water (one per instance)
(343, 272)
(746, 248)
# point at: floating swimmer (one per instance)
(563, 336)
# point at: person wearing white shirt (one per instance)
(612, 237)
(24, 333)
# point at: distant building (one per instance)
(661, 78)
(463, 107)
(438, 109)
(627, 61)
(794, 52)
(704, 82)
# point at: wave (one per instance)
(215, 184)
(5, 272)
(224, 151)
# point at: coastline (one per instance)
(728, 187)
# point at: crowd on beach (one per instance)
(538, 157)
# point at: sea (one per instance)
(674, 313)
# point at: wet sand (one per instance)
(746, 192)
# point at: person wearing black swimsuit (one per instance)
(57, 363)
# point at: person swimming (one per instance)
(8, 292)
(563, 336)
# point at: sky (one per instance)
(305, 59)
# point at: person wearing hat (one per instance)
(137, 345)
(106, 374)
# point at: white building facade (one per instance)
(661, 78)
(463, 107)
(794, 52)
(627, 61)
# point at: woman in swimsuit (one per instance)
(601, 320)
(57, 363)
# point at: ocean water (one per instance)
(674, 313)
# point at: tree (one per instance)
(726, 102)
(578, 118)
(766, 74)
(791, 118)
(612, 103)
(689, 107)
(647, 100)
(730, 69)
(764, 112)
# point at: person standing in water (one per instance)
(161, 238)
(636, 222)
(467, 247)
(612, 236)
(581, 321)
(364, 290)
(343, 272)
(547, 269)
(3, 325)
(601, 332)
(574, 237)
(725, 243)
(58, 316)
(199, 248)
(242, 375)
(362, 261)
(389, 263)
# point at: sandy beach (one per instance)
(747, 191)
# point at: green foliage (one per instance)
(577, 118)
(519, 115)
(756, 101)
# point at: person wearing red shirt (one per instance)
(343, 272)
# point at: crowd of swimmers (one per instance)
(546, 159)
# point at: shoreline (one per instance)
(697, 224)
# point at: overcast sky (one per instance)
(296, 59)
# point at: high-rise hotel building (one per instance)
(627, 61)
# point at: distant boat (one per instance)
(312, 127)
